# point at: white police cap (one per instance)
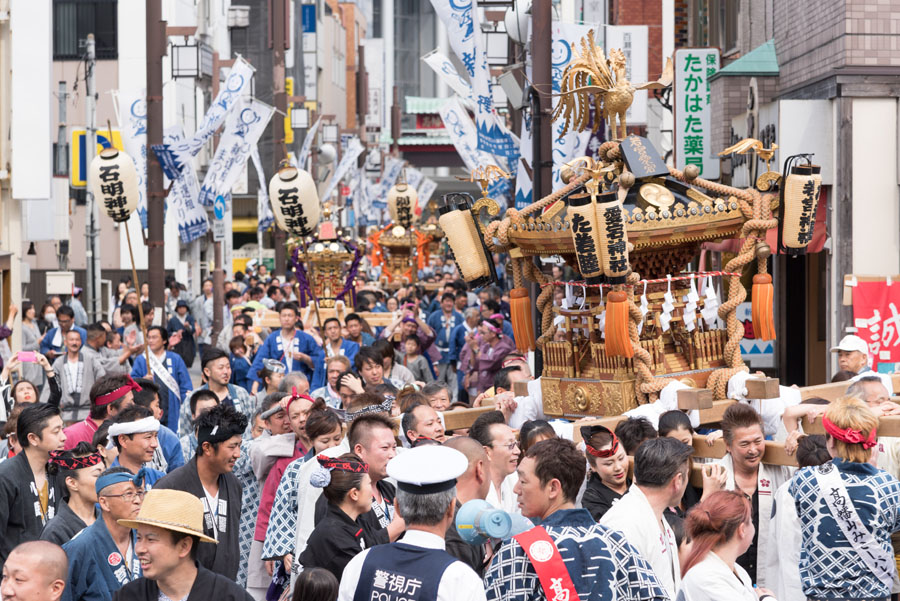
(428, 469)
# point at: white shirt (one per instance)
(783, 556)
(713, 580)
(633, 516)
(529, 407)
(505, 498)
(459, 582)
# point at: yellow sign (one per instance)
(288, 130)
(78, 166)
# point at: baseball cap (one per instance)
(851, 343)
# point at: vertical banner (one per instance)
(392, 168)
(133, 125)
(460, 19)
(446, 70)
(243, 128)
(693, 109)
(573, 144)
(264, 216)
(426, 191)
(183, 198)
(303, 158)
(877, 321)
(354, 149)
(173, 157)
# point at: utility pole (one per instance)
(218, 274)
(279, 24)
(395, 123)
(92, 210)
(156, 195)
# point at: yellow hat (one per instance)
(174, 510)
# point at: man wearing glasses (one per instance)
(502, 448)
(102, 557)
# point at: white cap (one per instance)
(852, 343)
(426, 470)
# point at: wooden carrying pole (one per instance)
(139, 304)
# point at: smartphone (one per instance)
(26, 357)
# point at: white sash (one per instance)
(288, 357)
(844, 513)
(160, 371)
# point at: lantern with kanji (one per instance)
(613, 238)
(114, 182)
(800, 201)
(401, 202)
(295, 201)
(585, 237)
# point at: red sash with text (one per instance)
(548, 564)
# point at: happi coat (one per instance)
(768, 479)
(633, 516)
(21, 518)
(274, 348)
(208, 586)
(174, 389)
(222, 558)
(602, 564)
(65, 525)
(96, 567)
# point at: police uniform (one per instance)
(417, 568)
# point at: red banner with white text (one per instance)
(876, 316)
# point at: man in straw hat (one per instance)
(417, 567)
(102, 556)
(208, 476)
(170, 527)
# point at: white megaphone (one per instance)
(477, 521)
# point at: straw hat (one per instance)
(174, 510)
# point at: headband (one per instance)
(109, 479)
(74, 463)
(409, 319)
(492, 327)
(297, 397)
(497, 316)
(514, 359)
(118, 393)
(588, 431)
(849, 435)
(321, 475)
(384, 407)
(215, 434)
(274, 365)
(147, 424)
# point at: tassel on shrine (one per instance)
(618, 340)
(522, 323)
(762, 313)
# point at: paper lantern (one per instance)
(801, 199)
(295, 201)
(586, 237)
(114, 182)
(613, 238)
(464, 236)
(401, 201)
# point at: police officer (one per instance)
(417, 566)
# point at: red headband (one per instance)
(588, 431)
(516, 359)
(295, 397)
(498, 316)
(118, 393)
(342, 465)
(74, 463)
(849, 435)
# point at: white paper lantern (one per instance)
(114, 183)
(516, 20)
(295, 201)
(401, 202)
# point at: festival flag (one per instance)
(184, 194)
(243, 128)
(354, 149)
(447, 72)
(264, 216)
(133, 125)
(172, 158)
(303, 158)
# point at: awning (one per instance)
(760, 62)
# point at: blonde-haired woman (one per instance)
(848, 510)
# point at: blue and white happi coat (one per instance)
(602, 564)
(830, 567)
(281, 534)
(243, 471)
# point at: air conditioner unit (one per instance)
(238, 16)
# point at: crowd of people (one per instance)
(312, 462)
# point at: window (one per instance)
(73, 20)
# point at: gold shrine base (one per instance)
(571, 397)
